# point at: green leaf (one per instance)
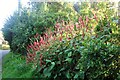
(69, 59)
(55, 76)
(69, 54)
(52, 66)
(58, 62)
(57, 51)
(76, 76)
(60, 52)
(67, 50)
(46, 72)
(62, 69)
(77, 67)
(68, 74)
(81, 74)
(48, 60)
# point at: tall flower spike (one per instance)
(29, 46)
(41, 57)
(51, 36)
(41, 40)
(83, 34)
(87, 20)
(57, 26)
(35, 43)
(77, 26)
(67, 28)
(80, 19)
(61, 32)
(95, 17)
(72, 27)
(46, 36)
(83, 24)
(63, 23)
(60, 38)
(37, 34)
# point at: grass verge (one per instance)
(14, 66)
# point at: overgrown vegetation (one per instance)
(77, 55)
(25, 24)
(86, 47)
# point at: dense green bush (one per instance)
(107, 29)
(17, 31)
(25, 23)
(99, 60)
(21, 26)
(89, 59)
(85, 50)
(87, 56)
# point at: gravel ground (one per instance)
(2, 54)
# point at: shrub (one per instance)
(20, 27)
(83, 50)
(89, 59)
(79, 55)
(99, 59)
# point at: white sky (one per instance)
(7, 7)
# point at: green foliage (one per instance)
(107, 29)
(17, 31)
(91, 59)
(20, 27)
(93, 55)
(99, 60)
(100, 8)
(7, 31)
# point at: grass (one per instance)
(14, 66)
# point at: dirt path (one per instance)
(2, 54)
